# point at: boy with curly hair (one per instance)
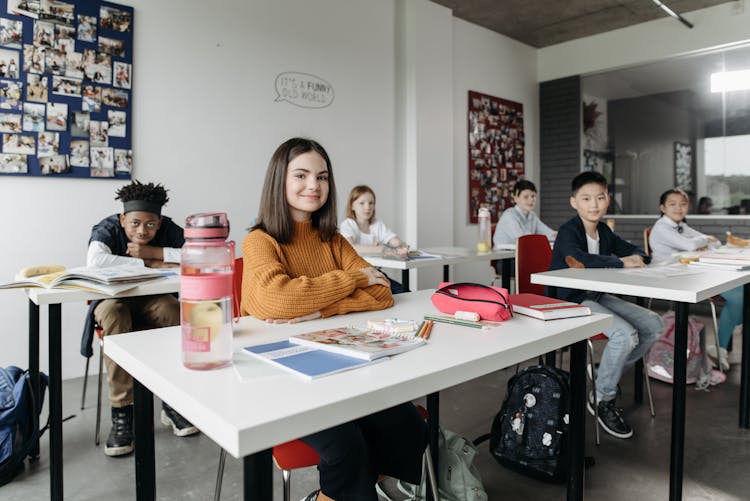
(140, 235)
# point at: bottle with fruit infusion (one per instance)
(206, 292)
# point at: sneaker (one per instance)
(723, 358)
(180, 426)
(120, 439)
(312, 496)
(612, 421)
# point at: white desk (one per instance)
(248, 418)
(448, 256)
(54, 298)
(656, 283)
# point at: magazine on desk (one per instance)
(366, 344)
(109, 280)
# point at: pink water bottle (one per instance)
(207, 267)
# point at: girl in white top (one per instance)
(364, 232)
(520, 219)
(671, 234)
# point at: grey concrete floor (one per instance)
(717, 454)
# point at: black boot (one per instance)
(120, 439)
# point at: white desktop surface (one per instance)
(651, 282)
(244, 417)
(447, 256)
(165, 285)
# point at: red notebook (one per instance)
(546, 308)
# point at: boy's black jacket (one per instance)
(571, 241)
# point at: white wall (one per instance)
(660, 39)
(205, 124)
(490, 63)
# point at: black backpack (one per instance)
(530, 433)
(19, 424)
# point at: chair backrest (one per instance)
(533, 255)
(237, 286)
(646, 236)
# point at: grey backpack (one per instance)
(458, 478)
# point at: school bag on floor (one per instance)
(530, 433)
(457, 476)
(660, 360)
(19, 424)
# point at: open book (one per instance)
(110, 280)
(366, 344)
(546, 308)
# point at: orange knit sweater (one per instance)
(307, 275)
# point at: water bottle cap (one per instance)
(207, 225)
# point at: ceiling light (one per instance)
(727, 81)
(673, 14)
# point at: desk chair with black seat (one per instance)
(295, 453)
(533, 255)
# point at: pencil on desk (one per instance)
(454, 321)
(418, 332)
(426, 335)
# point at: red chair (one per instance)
(533, 255)
(287, 456)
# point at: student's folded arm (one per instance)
(99, 255)
(269, 292)
(373, 298)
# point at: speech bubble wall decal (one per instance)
(303, 90)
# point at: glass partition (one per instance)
(681, 122)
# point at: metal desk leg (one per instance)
(678, 402)
(55, 402)
(34, 359)
(433, 423)
(505, 274)
(405, 280)
(638, 369)
(745, 374)
(258, 476)
(143, 426)
(577, 425)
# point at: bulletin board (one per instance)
(66, 73)
(496, 152)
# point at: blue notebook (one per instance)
(305, 361)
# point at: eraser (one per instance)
(467, 315)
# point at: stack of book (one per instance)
(329, 351)
(729, 261)
(546, 308)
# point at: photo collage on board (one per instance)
(66, 72)
(496, 152)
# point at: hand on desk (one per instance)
(303, 318)
(375, 277)
(634, 261)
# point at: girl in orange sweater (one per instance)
(297, 267)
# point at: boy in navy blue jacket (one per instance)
(590, 242)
